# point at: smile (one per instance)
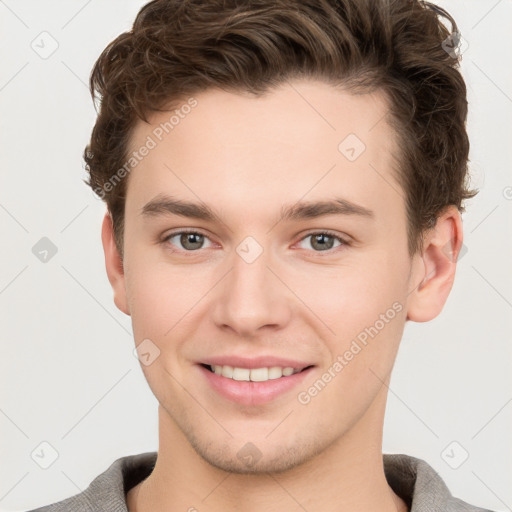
(256, 385)
(253, 374)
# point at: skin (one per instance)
(246, 157)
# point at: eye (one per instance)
(189, 240)
(323, 241)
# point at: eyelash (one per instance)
(342, 241)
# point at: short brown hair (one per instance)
(183, 47)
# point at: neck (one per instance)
(348, 476)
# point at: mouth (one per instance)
(262, 374)
(255, 385)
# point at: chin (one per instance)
(253, 458)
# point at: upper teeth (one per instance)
(254, 374)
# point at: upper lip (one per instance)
(255, 362)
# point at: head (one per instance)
(261, 113)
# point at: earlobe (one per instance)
(434, 270)
(114, 264)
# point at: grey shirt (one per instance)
(412, 479)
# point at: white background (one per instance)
(68, 374)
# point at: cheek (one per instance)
(352, 295)
(163, 298)
(363, 306)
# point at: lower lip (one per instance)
(252, 393)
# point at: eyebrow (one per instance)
(163, 205)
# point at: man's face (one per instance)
(251, 290)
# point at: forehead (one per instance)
(304, 138)
(296, 112)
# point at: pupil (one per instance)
(321, 238)
(195, 239)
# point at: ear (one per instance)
(114, 264)
(434, 269)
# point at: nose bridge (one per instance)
(251, 296)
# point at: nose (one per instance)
(252, 296)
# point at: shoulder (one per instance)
(421, 487)
(107, 492)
